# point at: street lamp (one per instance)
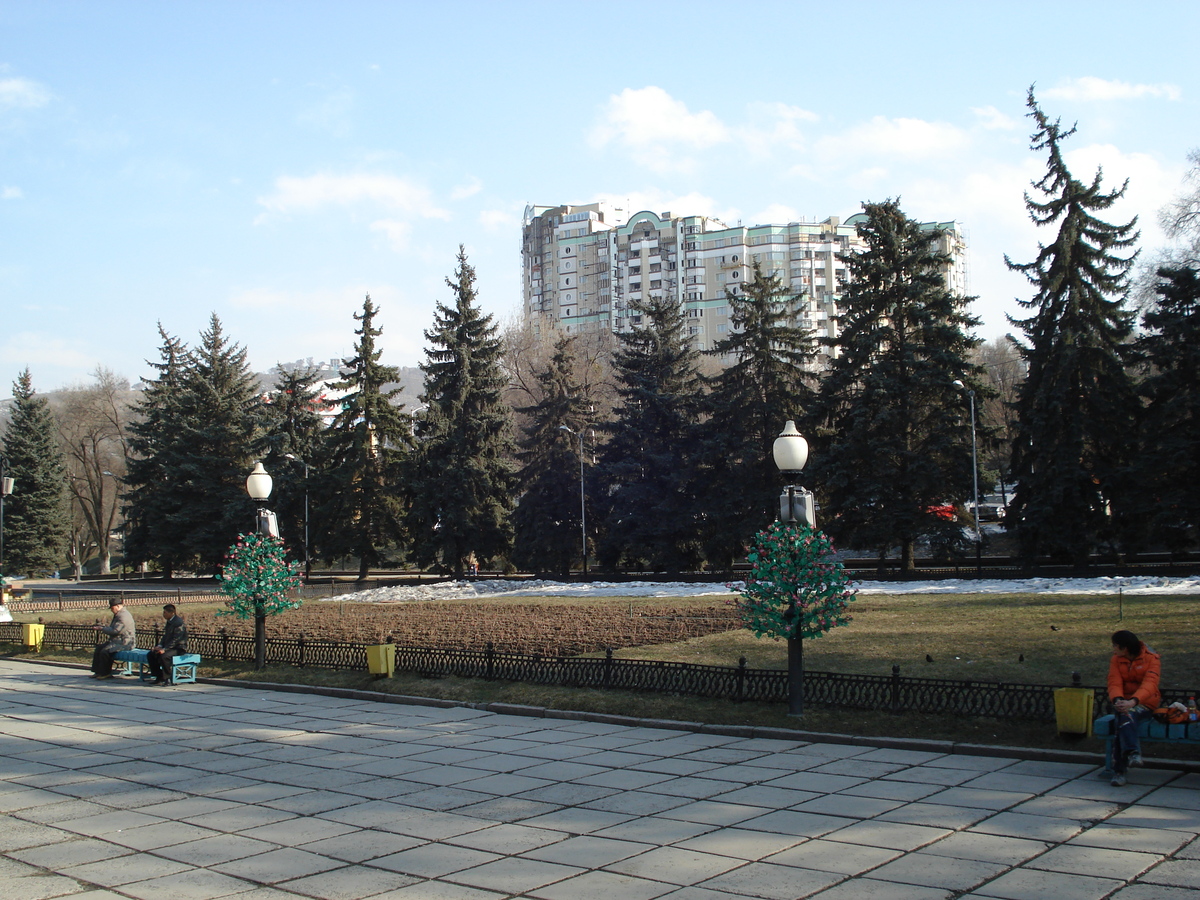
(582, 502)
(412, 428)
(6, 488)
(790, 451)
(975, 477)
(307, 563)
(258, 486)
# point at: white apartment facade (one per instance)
(584, 265)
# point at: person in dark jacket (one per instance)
(173, 643)
(122, 635)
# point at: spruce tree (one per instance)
(37, 522)
(1077, 406)
(768, 382)
(154, 523)
(891, 432)
(464, 482)
(361, 505)
(1168, 465)
(294, 430)
(222, 419)
(546, 523)
(647, 484)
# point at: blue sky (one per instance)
(273, 162)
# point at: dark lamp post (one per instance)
(258, 486)
(975, 479)
(795, 505)
(307, 562)
(6, 487)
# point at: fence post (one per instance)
(741, 679)
(300, 641)
(895, 704)
(122, 596)
(60, 605)
(490, 657)
(178, 595)
(224, 644)
(608, 664)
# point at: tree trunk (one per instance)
(105, 563)
(364, 569)
(260, 637)
(795, 676)
(908, 557)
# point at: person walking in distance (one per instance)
(1133, 674)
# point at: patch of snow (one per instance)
(478, 590)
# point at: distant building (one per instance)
(583, 265)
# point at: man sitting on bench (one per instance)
(121, 637)
(173, 643)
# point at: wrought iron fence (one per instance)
(894, 693)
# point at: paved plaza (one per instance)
(114, 789)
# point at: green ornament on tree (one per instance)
(257, 578)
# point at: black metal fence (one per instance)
(890, 693)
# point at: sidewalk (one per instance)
(114, 789)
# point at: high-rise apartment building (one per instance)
(584, 265)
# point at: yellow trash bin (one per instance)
(381, 660)
(1073, 710)
(32, 635)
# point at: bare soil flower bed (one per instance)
(544, 629)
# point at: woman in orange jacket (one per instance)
(1133, 674)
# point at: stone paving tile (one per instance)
(933, 775)
(798, 823)
(1146, 892)
(504, 785)
(42, 886)
(221, 848)
(1014, 782)
(244, 818)
(68, 853)
(515, 876)
(939, 871)
(976, 763)
(1182, 873)
(869, 889)
(1173, 797)
(362, 845)
(508, 809)
(438, 890)
(97, 826)
(1044, 828)
(892, 790)
(1067, 808)
(768, 797)
(1099, 861)
(739, 843)
(1191, 851)
(433, 860)
(699, 893)
(1158, 817)
(299, 830)
(815, 782)
(591, 885)
(857, 768)
(773, 882)
(124, 869)
(154, 837)
(975, 798)
(827, 856)
(61, 812)
(193, 885)
(311, 803)
(1029, 884)
(698, 788)
(350, 883)
(986, 848)
(508, 839)
(892, 835)
(678, 767)
(568, 794)
(578, 821)
(278, 865)
(656, 830)
(936, 815)
(853, 807)
(675, 866)
(638, 803)
(713, 812)
(588, 851)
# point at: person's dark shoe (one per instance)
(1118, 780)
(101, 677)
(1135, 759)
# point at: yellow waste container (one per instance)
(1073, 710)
(381, 660)
(32, 635)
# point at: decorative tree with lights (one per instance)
(796, 589)
(257, 578)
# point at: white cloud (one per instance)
(656, 128)
(21, 92)
(992, 119)
(1091, 88)
(296, 194)
(469, 188)
(11, 193)
(896, 138)
(40, 350)
(396, 232)
(776, 213)
(775, 125)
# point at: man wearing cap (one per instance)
(121, 637)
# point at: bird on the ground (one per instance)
(1055, 628)
(928, 658)
(1021, 658)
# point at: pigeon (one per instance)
(1055, 628)
(928, 658)
(1021, 658)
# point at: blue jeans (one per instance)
(1126, 741)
